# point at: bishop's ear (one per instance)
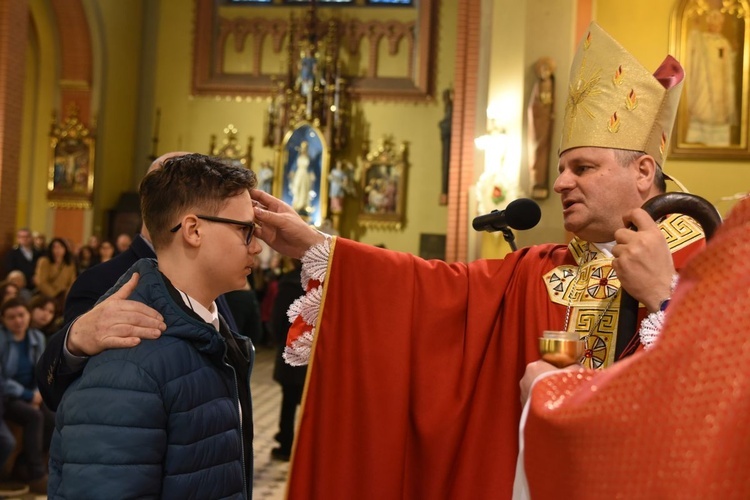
(646, 171)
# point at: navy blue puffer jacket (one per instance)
(160, 420)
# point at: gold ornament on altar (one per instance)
(231, 149)
(70, 181)
(313, 90)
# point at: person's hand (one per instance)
(533, 370)
(281, 227)
(115, 323)
(643, 262)
(36, 401)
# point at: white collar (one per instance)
(605, 248)
(208, 315)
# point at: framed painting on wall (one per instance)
(302, 182)
(70, 180)
(383, 186)
(711, 39)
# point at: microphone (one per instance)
(522, 213)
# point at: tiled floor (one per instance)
(270, 475)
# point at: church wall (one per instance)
(642, 26)
(521, 33)
(115, 32)
(116, 41)
(127, 92)
(188, 122)
(42, 70)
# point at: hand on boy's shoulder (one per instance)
(115, 323)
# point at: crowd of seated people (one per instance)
(38, 274)
(46, 269)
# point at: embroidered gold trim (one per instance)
(591, 287)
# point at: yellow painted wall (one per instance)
(115, 38)
(42, 70)
(116, 41)
(521, 33)
(504, 102)
(642, 26)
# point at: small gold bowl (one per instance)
(561, 348)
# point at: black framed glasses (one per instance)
(247, 232)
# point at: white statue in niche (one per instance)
(301, 181)
(710, 90)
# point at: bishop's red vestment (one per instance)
(412, 389)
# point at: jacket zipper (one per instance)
(239, 413)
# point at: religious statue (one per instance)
(541, 120)
(265, 177)
(337, 180)
(445, 138)
(711, 87)
(308, 68)
(301, 180)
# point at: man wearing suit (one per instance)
(114, 323)
(23, 257)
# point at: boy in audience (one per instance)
(20, 348)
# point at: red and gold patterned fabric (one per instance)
(673, 422)
(591, 289)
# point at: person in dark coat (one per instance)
(291, 378)
(112, 324)
(20, 348)
(246, 311)
(23, 256)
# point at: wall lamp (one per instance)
(495, 138)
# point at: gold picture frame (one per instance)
(237, 46)
(711, 39)
(383, 185)
(70, 179)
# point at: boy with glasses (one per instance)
(171, 417)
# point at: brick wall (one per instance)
(14, 20)
(461, 176)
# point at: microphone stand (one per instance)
(509, 237)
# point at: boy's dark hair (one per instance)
(189, 182)
(12, 304)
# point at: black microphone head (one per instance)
(523, 213)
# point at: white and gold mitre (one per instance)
(614, 102)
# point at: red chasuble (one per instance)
(412, 391)
(671, 422)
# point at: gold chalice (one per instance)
(561, 348)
